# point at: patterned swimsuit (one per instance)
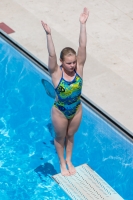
(68, 95)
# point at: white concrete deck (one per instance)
(108, 72)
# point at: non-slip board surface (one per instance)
(86, 184)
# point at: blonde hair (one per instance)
(67, 51)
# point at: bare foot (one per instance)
(71, 168)
(64, 170)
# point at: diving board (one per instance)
(86, 184)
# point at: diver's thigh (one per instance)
(60, 122)
(75, 122)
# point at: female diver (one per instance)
(67, 80)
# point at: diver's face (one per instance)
(69, 63)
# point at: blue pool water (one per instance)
(27, 155)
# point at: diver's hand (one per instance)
(46, 28)
(84, 16)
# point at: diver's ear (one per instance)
(61, 60)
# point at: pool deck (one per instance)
(108, 72)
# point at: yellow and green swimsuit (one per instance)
(68, 95)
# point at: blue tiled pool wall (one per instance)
(27, 137)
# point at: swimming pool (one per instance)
(27, 154)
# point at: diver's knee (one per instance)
(70, 136)
(59, 138)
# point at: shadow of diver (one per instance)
(45, 170)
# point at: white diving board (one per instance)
(86, 184)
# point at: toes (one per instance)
(65, 173)
(71, 168)
(72, 172)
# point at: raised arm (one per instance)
(52, 61)
(81, 56)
